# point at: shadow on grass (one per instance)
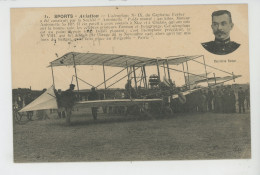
(106, 119)
(85, 120)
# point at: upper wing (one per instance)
(100, 59)
(176, 60)
(115, 60)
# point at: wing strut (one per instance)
(206, 73)
(104, 74)
(135, 77)
(75, 69)
(215, 78)
(188, 73)
(212, 67)
(185, 79)
(158, 69)
(146, 85)
(111, 77)
(53, 82)
(121, 78)
(168, 69)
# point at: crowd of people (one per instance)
(221, 99)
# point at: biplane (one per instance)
(131, 65)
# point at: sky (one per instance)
(31, 56)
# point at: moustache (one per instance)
(219, 32)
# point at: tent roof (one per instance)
(114, 60)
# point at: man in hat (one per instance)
(241, 100)
(130, 91)
(233, 101)
(221, 25)
(67, 101)
(210, 96)
(61, 109)
(218, 100)
(94, 96)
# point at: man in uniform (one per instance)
(221, 25)
(210, 99)
(225, 100)
(218, 100)
(233, 101)
(241, 100)
(247, 94)
(68, 100)
(61, 110)
(130, 91)
(94, 96)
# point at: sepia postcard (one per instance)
(130, 83)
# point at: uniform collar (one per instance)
(218, 41)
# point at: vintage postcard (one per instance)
(135, 83)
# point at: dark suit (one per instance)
(94, 96)
(241, 100)
(221, 47)
(67, 101)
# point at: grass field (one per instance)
(129, 138)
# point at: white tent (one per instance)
(46, 101)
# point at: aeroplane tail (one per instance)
(45, 101)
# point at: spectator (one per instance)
(94, 96)
(241, 100)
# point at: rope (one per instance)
(83, 81)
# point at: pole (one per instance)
(233, 77)
(164, 70)
(188, 74)
(135, 77)
(169, 76)
(145, 77)
(127, 71)
(184, 74)
(215, 78)
(142, 77)
(131, 72)
(76, 74)
(104, 74)
(158, 70)
(53, 82)
(205, 70)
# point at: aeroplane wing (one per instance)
(176, 60)
(218, 79)
(115, 60)
(186, 92)
(115, 102)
